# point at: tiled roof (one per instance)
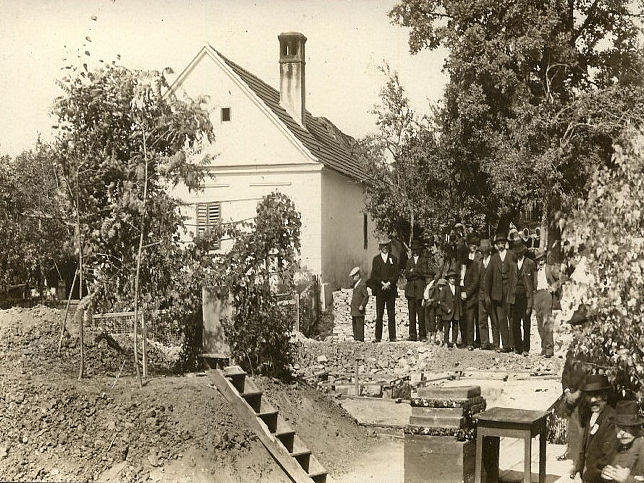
(321, 137)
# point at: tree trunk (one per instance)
(69, 299)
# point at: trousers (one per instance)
(357, 322)
(387, 298)
(545, 323)
(416, 311)
(520, 321)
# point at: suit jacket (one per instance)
(598, 450)
(415, 273)
(528, 273)
(359, 298)
(471, 282)
(494, 282)
(631, 458)
(482, 271)
(384, 272)
(450, 304)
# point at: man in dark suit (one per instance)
(383, 280)
(486, 309)
(469, 292)
(415, 273)
(522, 308)
(599, 444)
(500, 285)
(449, 306)
(359, 300)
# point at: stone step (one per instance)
(443, 412)
(457, 392)
(437, 421)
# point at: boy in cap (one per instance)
(359, 299)
(449, 302)
(430, 301)
(628, 463)
(598, 444)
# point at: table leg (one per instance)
(527, 459)
(479, 457)
(542, 456)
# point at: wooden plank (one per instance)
(275, 448)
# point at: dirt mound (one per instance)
(56, 428)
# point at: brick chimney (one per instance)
(292, 86)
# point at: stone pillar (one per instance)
(440, 436)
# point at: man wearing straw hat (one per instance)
(359, 299)
(628, 463)
(598, 444)
(383, 280)
(546, 284)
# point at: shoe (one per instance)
(437, 342)
(494, 348)
(375, 341)
(392, 340)
(548, 356)
(525, 353)
(518, 352)
(505, 350)
(450, 345)
(470, 348)
(423, 339)
(411, 339)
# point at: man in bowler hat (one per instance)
(522, 307)
(500, 285)
(415, 273)
(628, 463)
(485, 307)
(383, 280)
(469, 293)
(359, 299)
(598, 444)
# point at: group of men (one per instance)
(484, 289)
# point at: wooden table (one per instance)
(511, 423)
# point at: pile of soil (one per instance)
(176, 428)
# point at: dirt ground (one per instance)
(176, 428)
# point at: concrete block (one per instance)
(458, 392)
(438, 459)
(437, 421)
(429, 412)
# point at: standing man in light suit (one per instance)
(383, 280)
(546, 285)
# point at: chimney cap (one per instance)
(291, 34)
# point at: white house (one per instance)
(266, 140)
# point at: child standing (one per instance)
(449, 302)
(359, 300)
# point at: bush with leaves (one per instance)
(263, 257)
(609, 232)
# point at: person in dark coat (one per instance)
(599, 444)
(628, 463)
(415, 273)
(469, 292)
(522, 307)
(500, 285)
(449, 303)
(383, 280)
(486, 310)
(359, 300)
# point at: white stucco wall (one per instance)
(342, 229)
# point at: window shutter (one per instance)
(208, 216)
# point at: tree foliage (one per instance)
(608, 231)
(537, 92)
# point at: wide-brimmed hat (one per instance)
(595, 382)
(485, 246)
(385, 240)
(354, 271)
(472, 239)
(539, 254)
(520, 249)
(500, 237)
(452, 273)
(627, 414)
(416, 244)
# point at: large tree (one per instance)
(538, 92)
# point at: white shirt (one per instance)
(415, 258)
(520, 262)
(452, 288)
(503, 254)
(486, 261)
(384, 256)
(356, 284)
(542, 280)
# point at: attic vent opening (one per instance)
(225, 114)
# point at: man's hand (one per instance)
(615, 473)
(463, 296)
(361, 308)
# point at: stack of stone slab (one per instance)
(440, 436)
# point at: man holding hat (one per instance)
(500, 285)
(359, 299)
(522, 307)
(598, 444)
(546, 283)
(628, 463)
(384, 277)
(415, 273)
(485, 306)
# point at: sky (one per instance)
(347, 41)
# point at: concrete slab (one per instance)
(377, 411)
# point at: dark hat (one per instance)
(416, 244)
(384, 241)
(485, 246)
(452, 273)
(539, 254)
(627, 414)
(520, 249)
(595, 382)
(500, 237)
(472, 239)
